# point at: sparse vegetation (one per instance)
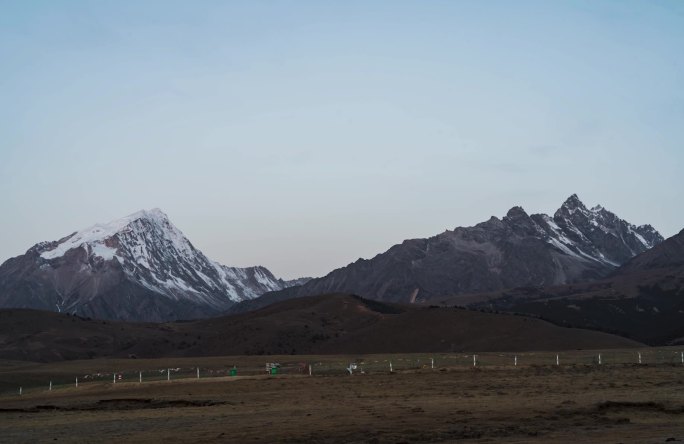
(544, 403)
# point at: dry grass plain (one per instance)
(579, 402)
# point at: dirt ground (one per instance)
(578, 403)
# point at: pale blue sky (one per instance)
(304, 135)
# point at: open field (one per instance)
(537, 400)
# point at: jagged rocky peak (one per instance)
(520, 222)
(574, 209)
(602, 220)
(573, 203)
(516, 213)
(601, 234)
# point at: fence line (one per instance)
(372, 364)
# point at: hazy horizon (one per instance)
(304, 135)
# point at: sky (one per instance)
(302, 135)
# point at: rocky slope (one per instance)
(643, 299)
(576, 244)
(667, 255)
(140, 267)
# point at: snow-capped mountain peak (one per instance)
(143, 253)
(97, 237)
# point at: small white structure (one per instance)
(272, 368)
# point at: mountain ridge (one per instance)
(577, 244)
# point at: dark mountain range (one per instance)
(138, 268)
(643, 299)
(329, 324)
(577, 244)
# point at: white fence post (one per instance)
(50, 385)
(474, 360)
(557, 360)
(76, 381)
(432, 363)
(168, 374)
(599, 359)
(391, 367)
(682, 357)
(114, 379)
(515, 360)
(140, 376)
(639, 357)
(310, 371)
(197, 372)
(20, 390)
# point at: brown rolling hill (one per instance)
(329, 324)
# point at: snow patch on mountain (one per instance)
(597, 234)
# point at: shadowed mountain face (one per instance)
(668, 254)
(329, 324)
(576, 244)
(140, 267)
(643, 299)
